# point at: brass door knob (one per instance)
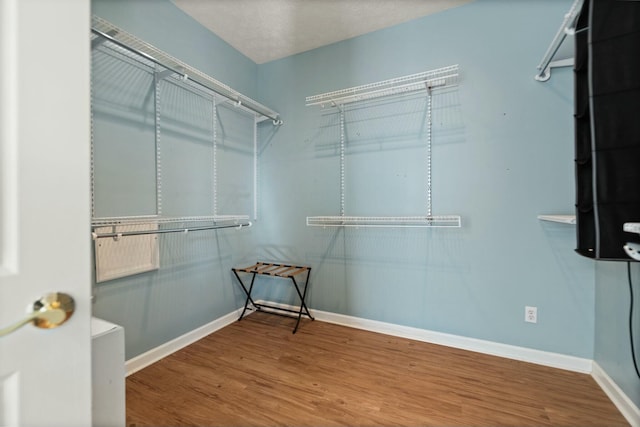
(50, 311)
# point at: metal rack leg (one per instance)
(302, 296)
(249, 299)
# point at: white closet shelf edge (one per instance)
(156, 219)
(380, 221)
(564, 219)
(433, 79)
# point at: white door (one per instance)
(45, 374)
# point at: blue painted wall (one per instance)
(193, 285)
(503, 153)
(612, 344)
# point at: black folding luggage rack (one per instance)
(285, 271)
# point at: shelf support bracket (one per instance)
(566, 28)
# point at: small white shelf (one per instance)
(564, 219)
(384, 221)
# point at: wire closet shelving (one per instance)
(121, 226)
(434, 79)
(428, 82)
(117, 36)
(107, 36)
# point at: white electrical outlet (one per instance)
(531, 314)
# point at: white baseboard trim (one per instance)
(554, 360)
(150, 357)
(524, 354)
(539, 357)
(625, 405)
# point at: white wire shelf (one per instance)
(563, 219)
(117, 227)
(385, 221)
(156, 219)
(427, 80)
(121, 38)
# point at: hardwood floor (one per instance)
(257, 373)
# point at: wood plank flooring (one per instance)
(257, 373)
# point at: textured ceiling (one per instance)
(265, 30)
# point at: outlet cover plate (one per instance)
(531, 314)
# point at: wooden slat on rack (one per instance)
(273, 269)
(263, 268)
(298, 271)
(277, 271)
(283, 273)
(247, 269)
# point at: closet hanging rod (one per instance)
(566, 28)
(117, 235)
(124, 40)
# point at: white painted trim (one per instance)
(143, 360)
(554, 360)
(539, 357)
(624, 404)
